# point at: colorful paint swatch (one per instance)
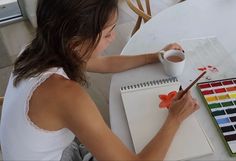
(226, 104)
(227, 82)
(211, 98)
(214, 105)
(218, 113)
(220, 96)
(207, 92)
(223, 97)
(230, 137)
(204, 86)
(227, 128)
(233, 119)
(220, 90)
(231, 111)
(223, 120)
(216, 84)
(232, 95)
(231, 89)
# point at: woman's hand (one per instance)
(173, 46)
(181, 108)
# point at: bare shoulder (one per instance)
(53, 99)
(74, 107)
(71, 100)
(58, 89)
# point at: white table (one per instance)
(190, 19)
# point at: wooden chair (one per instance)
(142, 14)
(139, 10)
(1, 101)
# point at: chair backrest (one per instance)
(139, 10)
(1, 101)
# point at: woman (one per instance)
(46, 104)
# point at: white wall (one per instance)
(30, 7)
(15, 36)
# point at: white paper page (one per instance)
(145, 119)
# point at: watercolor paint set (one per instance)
(220, 97)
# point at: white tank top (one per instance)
(20, 138)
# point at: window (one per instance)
(10, 11)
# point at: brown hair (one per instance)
(62, 25)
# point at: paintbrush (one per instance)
(195, 81)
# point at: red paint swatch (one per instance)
(216, 84)
(227, 82)
(206, 92)
(220, 90)
(231, 89)
(204, 86)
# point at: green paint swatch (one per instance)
(225, 104)
(214, 105)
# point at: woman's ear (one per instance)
(73, 43)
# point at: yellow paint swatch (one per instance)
(211, 98)
(223, 97)
(233, 95)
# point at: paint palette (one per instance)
(220, 97)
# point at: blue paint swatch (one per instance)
(223, 120)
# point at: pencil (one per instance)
(195, 81)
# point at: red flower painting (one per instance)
(208, 68)
(202, 69)
(167, 99)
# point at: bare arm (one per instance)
(81, 116)
(113, 64)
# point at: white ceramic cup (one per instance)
(173, 62)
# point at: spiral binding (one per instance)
(149, 84)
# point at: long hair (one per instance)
(62, 26)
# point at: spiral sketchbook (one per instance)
(145, 118)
